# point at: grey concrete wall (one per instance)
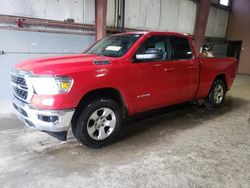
(20, 45)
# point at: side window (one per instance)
(180, 48)
(154, 42)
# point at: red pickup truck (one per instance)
(118, 76)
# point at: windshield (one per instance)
(114, 46)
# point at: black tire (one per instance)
(84, 123)
(73, 128)
(216, 95)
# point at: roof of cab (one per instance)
(155, 33)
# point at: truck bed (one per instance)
(210, 68)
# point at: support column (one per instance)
(201, 23)
(100, 19)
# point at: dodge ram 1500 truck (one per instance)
(118, 76)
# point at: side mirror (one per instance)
(151, 54)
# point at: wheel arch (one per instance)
(223, 78)
(110, 93)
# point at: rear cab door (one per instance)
(186, 74)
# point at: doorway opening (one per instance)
(234, 49)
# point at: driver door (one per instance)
(152, 77)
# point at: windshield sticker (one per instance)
(113, 48)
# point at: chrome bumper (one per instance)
(43, 120)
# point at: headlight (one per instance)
(51, 85)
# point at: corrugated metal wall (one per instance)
(82, 11)
(217, 23)
(168, 15)
(160, 15)
(163, 15)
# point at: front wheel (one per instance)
(99, 123)
(217, 94)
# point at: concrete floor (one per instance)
(181, 146)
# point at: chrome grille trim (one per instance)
(22, 89)
(23, 94)
(19, 80)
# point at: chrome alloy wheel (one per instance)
(218, 94)
(101, 123)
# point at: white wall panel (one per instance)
(211, 21)
(82, 11)
(89, 11)
(164, 15)
(221, 27)
(132, 13)
(149, 14)
(63, 9)
(29, 8)
(187, 16)
(217, 23)
(169, 14)
(111, 13)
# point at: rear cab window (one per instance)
(180, 48)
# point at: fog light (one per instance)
(50, 119)
(29, 123)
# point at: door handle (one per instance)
(169, 69)
(157, 65)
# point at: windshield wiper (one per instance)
(101, 54)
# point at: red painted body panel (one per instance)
(143, 86)
(212, 67)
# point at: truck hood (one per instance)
(61, 64)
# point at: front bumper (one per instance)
(53, 121)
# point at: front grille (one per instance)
(23, 94)
(20, 87)
(19, 80)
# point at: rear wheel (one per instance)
(99, 123)
(217, 94)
